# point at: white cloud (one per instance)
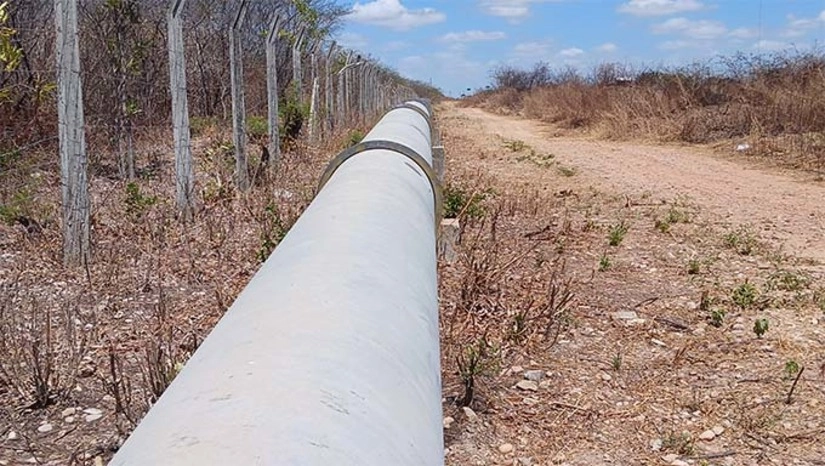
(798, 27)
(700, 29)
(608, 47)
(513, 10)
(532, 51)
(473, 36)
(572, 52)
(743, 33)
(660, 7)
(352, 40)
(392, 14)
(770, 45)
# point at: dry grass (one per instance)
(528, 294)
(114, 335)
(774, 103)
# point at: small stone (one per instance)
(448, 421)
(530, 401)
(707, 435)
(625, 315)
(606, 377)
(69, 419)
(524, 461)
(516, 370)
(670, 458)
(92, 417)
(718, 430)
(471, 415)
(92, 411)
(528, 385)
(656, 444)
(45, 428)
(506, 448)
(658, 343)
(13, 435)
(68, 412)
(535, 376)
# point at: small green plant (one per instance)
(199, 125)
(273, 229)
(745, 295)
(617, 362)
(515, 145)
(717, 317)
(354, 137)
(786, 280)
(137, 203)
(257, 128)
(567, 171)
(679, 443)
(480, 358)
(819, 299)
(742, 241)
(617, 234)
(605, 263)
(791, 369)
(672, 217)
(760, 327)
(541, 160)
(457, 201)
(694, 267)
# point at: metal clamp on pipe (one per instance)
(397, 148)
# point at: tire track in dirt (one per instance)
(788, 212)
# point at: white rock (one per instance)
(656, 444)
(45, 428)
(625, 315)
(69, 419)
(530, 401)
(718, 430)
(471, 415)
(658, 342)
(707, 435)
(448, 421)
(92, 411)
(516, 370)
(506, 448)
(68, 412)
(13, 435)
(528, 385)
(606, 377)
(92, 417)
(534, 375)
(742, 147)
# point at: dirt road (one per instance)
(789, 212)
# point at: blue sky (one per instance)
(455, 43)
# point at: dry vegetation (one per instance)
(773, 103)
(582, 326)
(110, 338)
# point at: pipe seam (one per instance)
(392, 146)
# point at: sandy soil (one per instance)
(789, 210)
(640, 372)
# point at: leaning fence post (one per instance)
(238, 104)
(184, 171)
(313, 102)
(72, 139)
(328, 87)
(297, 72)
(272, 90)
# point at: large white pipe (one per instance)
(330, 356)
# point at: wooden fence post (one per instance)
(272, 90)
(184, 170)
(73, 159)
(238, 104)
